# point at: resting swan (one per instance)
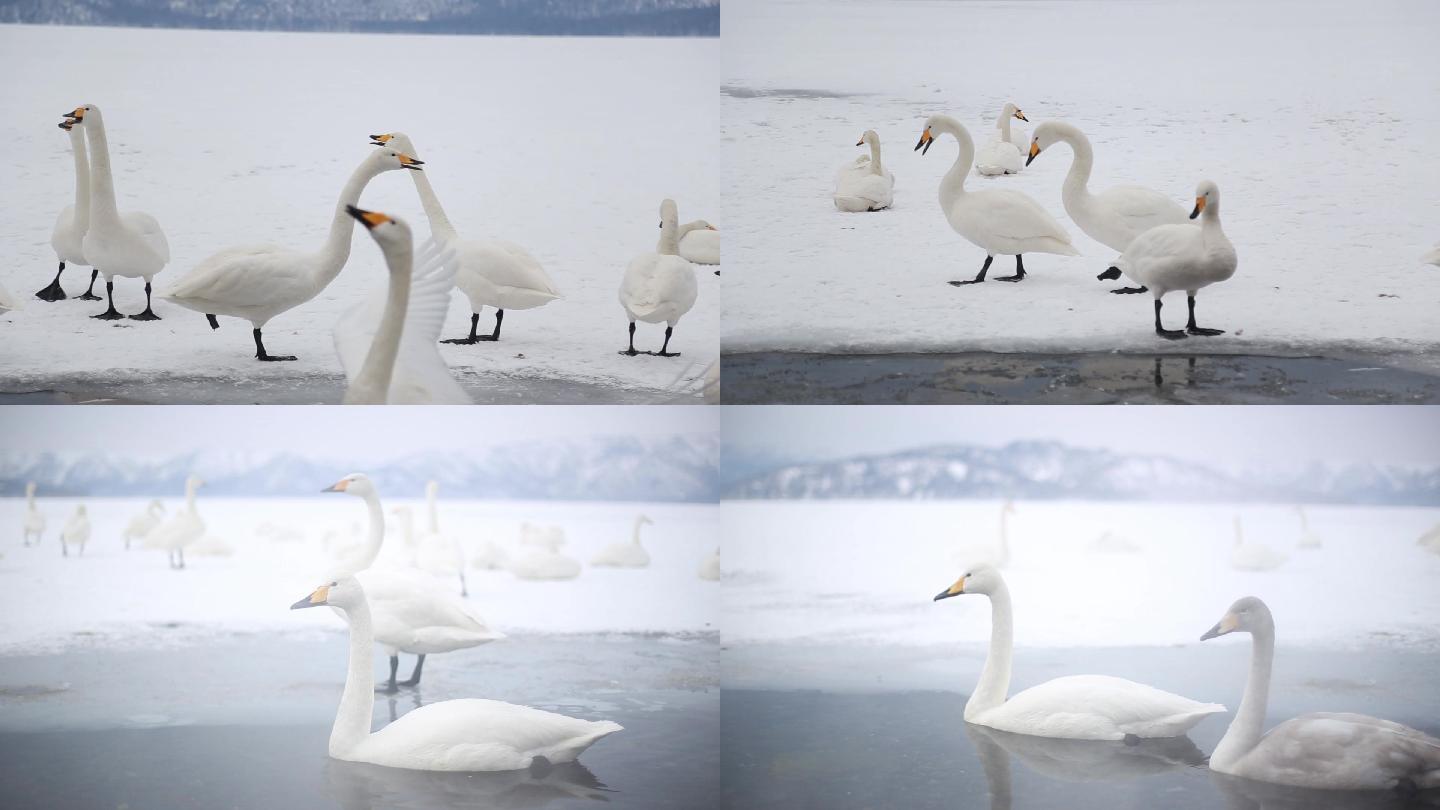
(491, 272)
(543, 564)
(34, 518)
(1253, 556)
(865, 184)
(452, 735)
(76, 532)
(700, 243)
(1430, 541)
(68, 236)
(183, 529)
(387, 344)
(1183, 257)
(1082, 707)
(1000, 221)
(129, 244)
(1002, 154)
(659, 287)
(1331, 751)
(625, 555)
(1432, 256)
(1113, 217)
(258, 282)
(144, 523)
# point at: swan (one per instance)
(626, 555)
(1113, 217)
(1432, 256)
(1000, 221)
(659, 286)
(710, 567)
(490, 272)
(1253, 556)
(387, 344)
(997, 555)
(1430, 541)
(68, 236)
(129, 244)
(865, 184)
(258, 282)
(1002, 154)
(410, 617)
(1308, 539)
(451, 735)
(543, 564)
(1081, 707)
(440, 553)
(1087, 760)
(1182, 257)
(546, 537)
(142, 524)
(490, 557)
(425, 560)
(8, 302)
(76, 532)
(1331, 751)
(34, 518)
(183, 529)
(1013, 134)
(700, 243)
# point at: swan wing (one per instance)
(1097, 707)
(1432, 256)
(505, 265)
(1139, 209)
(240, 278)
(148, 230)
(1342, 750)
(421, 375)
(1012, 215)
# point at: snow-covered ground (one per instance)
(565, 146)
(1306, 114)
(865, 573)
(113, 596)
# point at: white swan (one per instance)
(1115, 216)
(1308, 539)
(1431, 256)
(1013, 133)
(129, 244)
(491, 272)
(142, 524)
(439, 553)
(710, 567)
(1331, 751)
(68, 236)
(1001, 221)
(181, 530)
(625, 555)
(1430, 541)
(76, 532)
(490, 557)
(546, 537)
(659, 287)
(997, 555)
(387, 344)
(1183, 257)
(1252, 556)
(1082, 707)
(700, 243)
(258, 282)
(452, 735)
(1003, 153)
(34, 518)
(410, 616)
(544, 564)
(8, 302)
(865, 184)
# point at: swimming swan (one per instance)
(1003, 153)
(625, 555)
(659, 287)
(144, 523)
(76, 532)
(68, 236)
(1115, 216)
(1331, 751)
(129, 244)
(387, 344)
(452, 735)
(1183, 257)
(865, 184)
(34, 518)
(1251, 556)
(1082, 707)
(700, 243)
(491, 272)
(258, 282)
(183, 529)
(1000, 221)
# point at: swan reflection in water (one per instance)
(1249, 794)
(362, 786)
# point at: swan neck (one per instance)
(375, 514)
(337, 245)
(357, 702)
(1249, 723)
(190, 497)
(102, 185)
(82, 179)
(876, 167)
(1077, 180)
(372, 384)
(952, 186)
(994, 681)
(635, 535)
(1004, 126)
(434, 212)
(669, 239)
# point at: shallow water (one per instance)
(987, 378)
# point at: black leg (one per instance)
(1019, 271)
(474, 319)
(666, 345)
(180, 553)
(261, 354)
(64, 549)
(499, 316)
(631, 351)
(53, 291)
(414, 676)
(110, 314)
(983, 269)
(214, 323)
(394, 665)
(1129, 290)
(1171, 334)
(90, 291)
(1196, 330)
(148, 314)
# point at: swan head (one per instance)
(77, 115)
(1011, 111)
(80, 510)
(869, 137)
(1009, 507)
(391, 233)
(927, 137)
(432, 487)
(194, 481)
(357, 484)
(343, 593)
(644, 520)
(1207, 195)
(669, 212)
(398, 141)
(1046, 135)
(983, 579)
(696, 225)
(391, 159)
(1247, 615)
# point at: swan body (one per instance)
(433, 552)
(8, 302)
(699, 242)
(1333, 751)
(659, 287)
(183, 529)
(452, 735)
(258, 282)
(68, 236)
(546, 537)
(999, 221)
(76, 531)
(388, 344)
(1252, 556)
(1432, 256)
(1002, 153)
(543, 564)
(865, 184)
(997, 555)
(34, 523)
(1083, 707)
(144, 523)
(1430, 541)
(710, 567)
(625, 555)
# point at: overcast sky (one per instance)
(1228, 434)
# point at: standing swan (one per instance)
(183, 529)
(258, 282)
(144, 523)
(1113, 217)
(490, 272)
(388, 350)
(438, 553)
(865, 184)
(1080, 707)
(1324, 750)
(1183, 257)
(452, 735)
(68, 237)
(34, 518)
(1000, 221)
(660, 286)
(76, 532)
(130, 244)
(626, 555)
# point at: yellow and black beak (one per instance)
(1021, 115)
(380, 140)
(1226, 625)
(410, 162)
(317, 598)
(954, 590)
(371, 220)
(1199, 206)
(78, 114)
(66, 125)
(860, 142)
(1034, 152)
(925, 140)
(339, 486)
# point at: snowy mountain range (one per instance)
(671, 469)
(528, 17)
(1041, 470)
